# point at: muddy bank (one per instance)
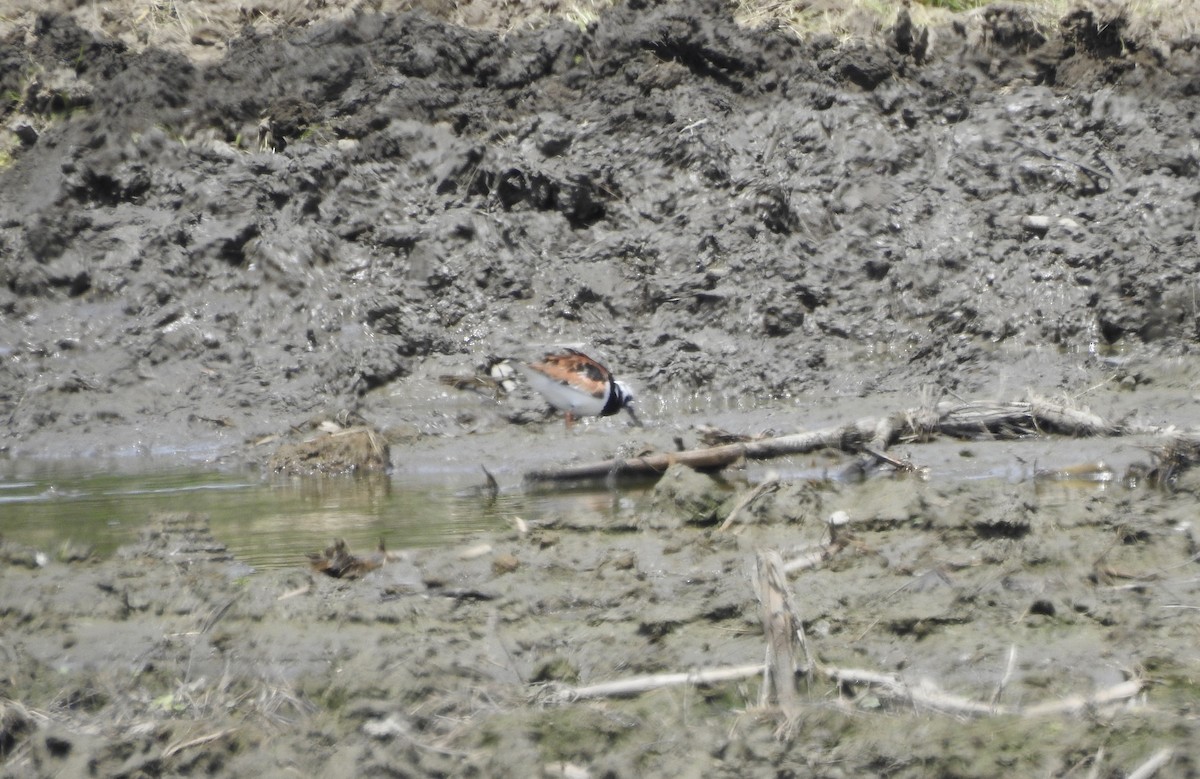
(169, 659)
(313, 222)
(202, 252)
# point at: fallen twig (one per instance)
(1017, 419)
(302, 590)
(1097, 759)
(768, 485)
(783, 629)
(813, 558)
(639, 684)
(928, 696)
(979, 419)
(838, 540)
(1008, 670)
(195, 742)
(711, 458)
(1151, 766)
(924, 696)
(491, 487)
(216, 616)
(1077, 703)
(900, 465)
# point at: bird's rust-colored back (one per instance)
(577, 369)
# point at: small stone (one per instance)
(505, 563)
(1038, 225)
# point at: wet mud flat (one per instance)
(212, 239)
(970, 629)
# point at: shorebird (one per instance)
(577, 385)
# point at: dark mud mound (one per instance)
(195, 254)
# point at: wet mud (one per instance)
(169, 659)
(217, 242)
(324, 219)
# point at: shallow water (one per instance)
(274, 522)
(266, 523)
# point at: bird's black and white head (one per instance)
(623, 395)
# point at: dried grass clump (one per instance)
(1141, 20)
(354, 450)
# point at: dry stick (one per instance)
(713, 458)
(218, 614)
(969, 419)
(956, 419)
(1008, 671)
(887, 430)
(1151, 766)
(768, 485)
(782, 627)
(709, 459)
(293, 593)
(639, 684)
(1097, 759)
(813, 558)
(493, 633)
(923, 696)
(929, 697)
(900, 465)
(176, 748)
(887, 686)
(1077, 703)
(822, 552)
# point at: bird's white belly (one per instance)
(565, 397)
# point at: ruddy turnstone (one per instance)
(578, 385)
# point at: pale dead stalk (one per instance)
(1151, 766)
(174, 749)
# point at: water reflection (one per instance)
(264, 522)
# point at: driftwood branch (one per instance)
(973, 420)
(783, 630)
(890, 687)
(713, 458)
(1017, 419)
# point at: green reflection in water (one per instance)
(265, 523)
